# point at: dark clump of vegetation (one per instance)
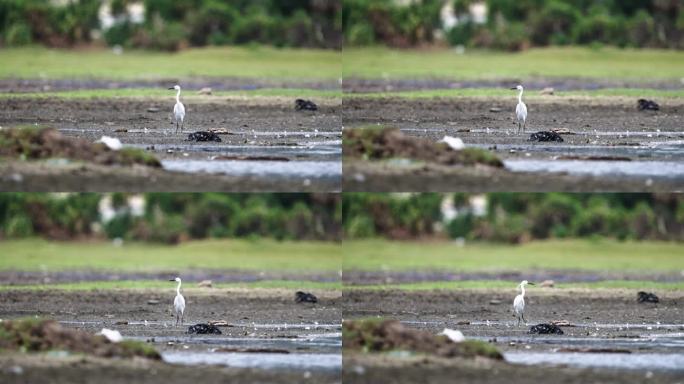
(38, 335)
(175, 24)
(516, 217)
(172, 218)
(516, 25)
(35, 143)
(376, 143)
(381, 335)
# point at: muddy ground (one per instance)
(604, 127)
(258, 133)
(255, 317)
(486, 314)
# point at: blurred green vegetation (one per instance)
(244, 62)
(517, 25)
(171, 218)
(588, 255)
(174, 24)
(515, 217)
(35, 254)
(605, 63)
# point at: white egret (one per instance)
(178, 109)
(519, 302)
(178, 302)
(520, 109)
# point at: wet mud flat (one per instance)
(267, 333)
(265, 144)
(609, 144)
(639, 340)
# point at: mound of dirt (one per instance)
(34, 335)
(375, 143)
(34, 143)
(378, 335)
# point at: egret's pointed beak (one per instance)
(172, 88)
(514, 88)
(172, 280)
(530, 283)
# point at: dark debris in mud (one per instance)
(376, 143)
(36, 143)
(305, 297)
(380, 335)
(647, 105)
(546, 329)
(647, 297)
(305, 105)
(204, 136)
(37, 335)
(543, 136)
(204, 329)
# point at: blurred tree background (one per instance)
(515, 25)
(172, 24)
(514, 217)
(170, 217)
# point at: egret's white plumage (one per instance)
(454, 142)
(112, 335)
(520, 109)
(519, 302)
(111, 142)
(178, 302)
(453, 335)
(178, 109)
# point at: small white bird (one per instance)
(178, 109)
(454, 142)
(112, 335)
(111, 142)
(520, 109)
(453, 335)
(519, 302)
(178, 302)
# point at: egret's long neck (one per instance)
(519, 101)
(179, 283)
(178, 101)
(522, 287)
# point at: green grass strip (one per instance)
(499, 284)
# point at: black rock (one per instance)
(305, 297)
(305, 105)
(650, 105)
(546, 136)
(204, 136)
(204, 329)
(546, 329)
(647, 297)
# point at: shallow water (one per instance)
(331, 170)
(295, 361)
(655, 169)
(635, 361)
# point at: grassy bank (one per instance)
(258, 255)
(530, 94)
(188, 94)
(597, 255)
(502, 284)
(612, 63)
(188, 285)
(261, 62)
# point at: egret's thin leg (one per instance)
(523, 317)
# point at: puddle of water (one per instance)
(321, 148)
(295, 361)
(324, 343)
(302, 169)
(634, 361)
(657, 169)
